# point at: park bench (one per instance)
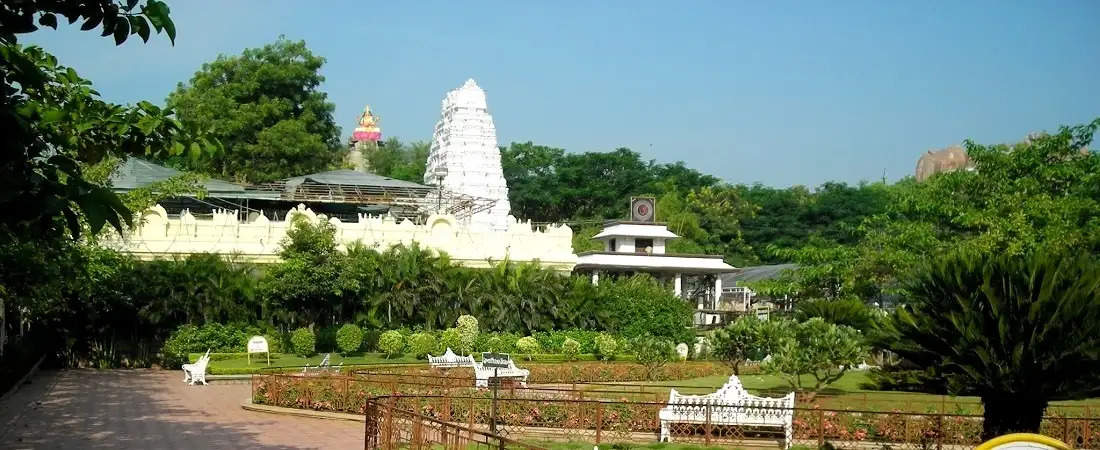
(731, 405)
(483, 374)
(197, 371)
(450, 360)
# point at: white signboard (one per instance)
(258, 344)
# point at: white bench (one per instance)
(731, 405)
(483, 374)
(197, 371)
(450, 360)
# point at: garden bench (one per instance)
(483, 374)
(197, 371)
(450, 360)
(731, 405)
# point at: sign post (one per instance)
(497, 361)
(258, 344)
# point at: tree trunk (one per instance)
(1006, 414)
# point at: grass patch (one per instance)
(239, 365)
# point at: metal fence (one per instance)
(441, 405)
(388, 427)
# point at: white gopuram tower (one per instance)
(464, 154)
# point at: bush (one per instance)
(451, 339)
(606, 346)
(349, 338)
(392, 343)
(467, 332)
(528, 346)
(570, 349)
(552, 340)
(494, 344)
(422, 344)
(215, 337)
(304, 342)
(640, 306)
(326, 339)
(653, 353)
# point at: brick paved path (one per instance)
(153, 409)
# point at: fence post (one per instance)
(347, 395)
(599, 421)
(1065, 430)
(939, 432)
(820, 428)
(708, 428)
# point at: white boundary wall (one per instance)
(160, 236)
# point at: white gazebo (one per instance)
(631, 247)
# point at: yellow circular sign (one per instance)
(1020, 441)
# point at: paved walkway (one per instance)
(153, 409)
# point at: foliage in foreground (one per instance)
(822, 350)
(1016, 331)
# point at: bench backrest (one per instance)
(731, 394)
(450, 359)
(324, 362)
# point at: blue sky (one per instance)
(781, 93)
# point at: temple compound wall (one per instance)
(158, 235)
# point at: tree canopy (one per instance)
(266, 108)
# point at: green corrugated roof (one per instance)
(136, 173)
(756, 273)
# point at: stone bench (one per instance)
(449, 360)
(731, 405)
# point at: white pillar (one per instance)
(677, 285)
(595, 278)
(717, 290)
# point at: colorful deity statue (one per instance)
(368, 129)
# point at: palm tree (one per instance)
(1017, 331)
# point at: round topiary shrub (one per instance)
(570, 349)
(349, 338)
(450, 338)
(467, 331)
(528, 346)
(422, 344)
(304, 342)
(606, 345)
(392, 343)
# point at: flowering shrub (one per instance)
(602, 372)
(606, 346)
(528, 346)
(467, 332)
(570, 349)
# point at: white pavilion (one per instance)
(638, 246)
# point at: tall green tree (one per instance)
(266, 107)
(1018, 331)
(54, 123)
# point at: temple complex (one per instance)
(364, 140)
(464, 156)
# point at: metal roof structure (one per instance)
(756, 273)
(371, 192)
(136, 173)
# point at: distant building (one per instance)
(377, 211)
(944, 160)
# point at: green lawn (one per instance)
(848, 394)
(240, 365)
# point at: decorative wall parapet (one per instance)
(159, 235)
